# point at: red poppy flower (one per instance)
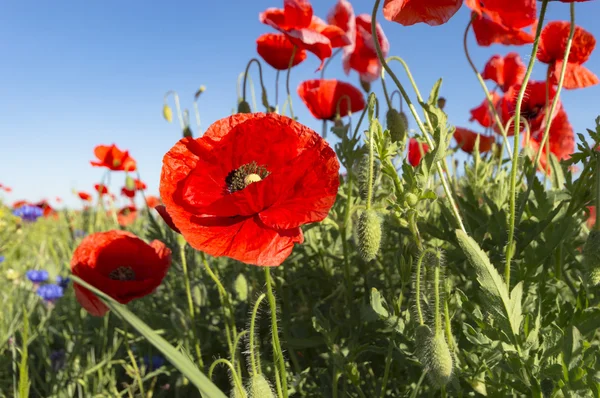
(410, 12)
(533, 107)
(483, 114)
(101, 189)
(363, 57)
(304, 30)
(465, 139)
(113, 158)
(416, 151)
(139, 185)
(119, 264)
(127, 215)
(342, 16)
(130, 193)
(276, 49)
(505, 71)
(502, 22)
(245, 187)
(552, 48)
(322, 97)
(84, 196)
(152, 201)
(561, 139)
(19, 203)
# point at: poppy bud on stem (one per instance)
(264, 98)
(196, 110)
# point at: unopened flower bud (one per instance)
(260, 387)
(369, 234)
(412, 199)
(365, 86)
(244, 107)
(434, 354)
(187, 132)
(396, 124)
(441, 102)
(167, 113)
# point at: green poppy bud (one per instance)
(187, 132)
(369, 234)
(397, 124)
(244, 107)
(441, 102)
(412, 199)
(591, 257)
(167, 113)
(260, 387)
(363, 176)
(365, 86)
(439, 362)
(130, 183)
(237, 393)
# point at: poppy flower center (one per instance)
(116, 163)
(245, 175)
(531, 113)
(122, 274)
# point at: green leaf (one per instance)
(377, 303)
(558, 177)
(180, 361)
(502, 306)
(572, 348)
(24, 382)
(241, 287)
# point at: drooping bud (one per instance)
(591, 257)
(260, 387)
(369, 234)
(129, 183)
(244, 107)
(187, 132)
(200, 91)
(365, 86)
(441, 103)
(363, 175)
(167, 113)
(397, 124)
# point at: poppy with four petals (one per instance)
(121, 265)
(410, 12)
(113, 158)
(322, 97)
(245, 187)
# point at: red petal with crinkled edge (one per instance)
(466, 138)
(312, 41)
(505, 71)
(416, 150)
(286, 148)
(298, 13)
(576, 76)
(276, 49)
(336, 35)
(483, 114)
(342, 16)
(553, 43)
(322, 96)
(363, 57)
(488, 32)
(410, 12)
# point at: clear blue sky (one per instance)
(75, 74)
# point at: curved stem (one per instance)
(177, 106)
(399, 98)
(515, 159)
(277, 351)
(255, 365)
(236, 380)
(287, 81)
(488, 96)
(336, 52)
(339, 103)
(388, 99)
(260, 75)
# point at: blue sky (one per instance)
(76, 74)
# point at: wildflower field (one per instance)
(389, 254)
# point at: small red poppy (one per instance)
(410, 12)
(152, 201)
(505, 71)
(276, 49)
(127, 215)
(483, 114)
(119, 264)
(101, 189)
(416, 151)
(561, 139)
(139, 185)
(113, 158)
(533, 107)
(466, 138)
(552, 48)
(363, 57)
(84, 196)
(130, 193)
(244, 188)
(322, 97)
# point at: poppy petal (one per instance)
(410, 12)
(576, 76)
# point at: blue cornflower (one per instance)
(154, 362)
(58, 359)
(79, 233)
(2, 258)
(37, 276)
(50, 292)
(28, 212)
(63, 281)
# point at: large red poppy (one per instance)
(84, 196)
(502, 22)
(410, 12)
(533, 107)
(466, 138)
(245, 187)
(363, 57)
(119, 264)
(483, 114)
(505, 71)
(416, 151)
(113, 158)
(276, 49)
(322, 96)
(304, 30)
(552, 48)
(561, 139)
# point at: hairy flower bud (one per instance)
(369, 234)
(244, 107)
(434, 353)
(397, 124)
(260, 387)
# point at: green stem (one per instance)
(287, 81)
(277, 351)
(255, 364)
(372, 128)
(188, 290)
(236, 380)
(448, 328)
(436, 291)
(136, 369)
(260, 74)
(418, 287)
(388, 365)
(510, 247)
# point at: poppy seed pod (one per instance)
(244, 107)
(396, 124)
(369, 234)
(236, 393)
(439, 361)
(591, 257)
(167, 113)
(363, 176)
(260, 387)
